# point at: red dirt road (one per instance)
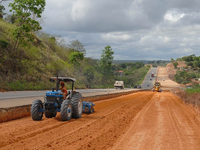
(143, 121)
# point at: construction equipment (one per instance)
(71, 107)
(157, 87)
(119, 84)
(88, 107)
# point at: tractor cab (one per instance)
(58, 93)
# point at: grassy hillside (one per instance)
(29, 68)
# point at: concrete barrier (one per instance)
(11, 113)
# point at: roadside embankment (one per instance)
(190, 99)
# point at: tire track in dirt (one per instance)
(143, 120)
(187, 124)
(58, 132)
(175, 128)
(28, 128)
(126, 141)
(124, 120)
(164, 123)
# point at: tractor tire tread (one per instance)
(37, 104)
(64, 110)
(75, 100)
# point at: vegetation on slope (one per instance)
(28, 57)
(189, 74)
(31, 66)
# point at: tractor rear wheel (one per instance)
(35, 113)
(50, 114)
(66, 110)
(77, 105)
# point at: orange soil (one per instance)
(143, 120)
(139, 121)
(163, 78)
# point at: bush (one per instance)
(3, 43)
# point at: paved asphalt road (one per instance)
(10, 99)
(19, 98)
(148, 80)
(24, 94)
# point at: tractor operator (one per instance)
(63, 89)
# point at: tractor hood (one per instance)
(54, 94)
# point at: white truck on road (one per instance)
(119, 84)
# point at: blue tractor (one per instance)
(71, 107)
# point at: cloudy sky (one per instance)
(135, 29)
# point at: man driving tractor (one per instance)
(63, 89)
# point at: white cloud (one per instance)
(173, 16)
(114, 37)
(164, 39)
(134, 29)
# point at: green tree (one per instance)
(179, 59)
(190, 63)
(188, 58)
(75, 58)
(2, 8)
(23, 10)
(197, 64)
(106, 61)
(88, 71)
(196, 58)
(10, 18)
(123, 65)
(172, 60)
(77, 46)
(175, 64)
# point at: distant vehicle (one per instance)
(137, 87)
(152, 74)
(119, 84)
(150, 79)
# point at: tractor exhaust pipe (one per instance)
(57, 83)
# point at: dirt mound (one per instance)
(2, 90)
(7, 114)
(171, 71)
(193, 99)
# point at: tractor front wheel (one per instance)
(35, 113)
(66, 110)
